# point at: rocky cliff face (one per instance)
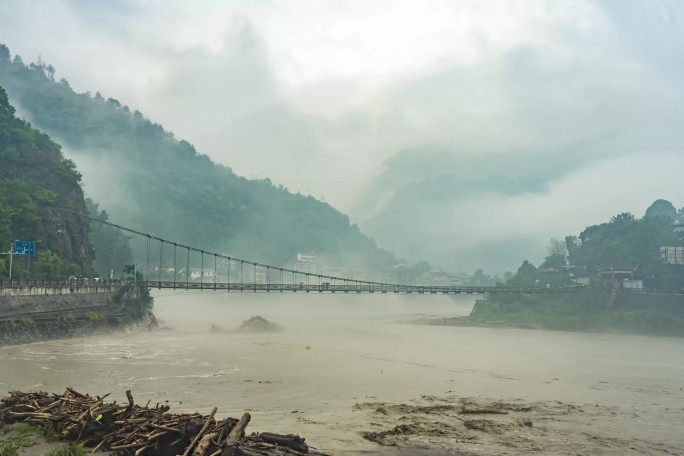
(69, 236)
(38, 191)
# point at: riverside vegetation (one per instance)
(589, 310)
(624, 242)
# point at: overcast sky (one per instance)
(317, 94)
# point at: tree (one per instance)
(4, 53)
(527, 276)
(50, 72)
(422, 267)
(554, 261)
(661, 208)
(112, 250)
(480, 278)
(571, 242)
(5, 107)
(49, 264)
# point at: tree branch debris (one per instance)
(134, 430)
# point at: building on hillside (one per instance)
(207, 275)
(678, 225)
(616, 275)
(304, 262)
(459, 278)
(306, 257)
(633, 284)
(435, 277)
(672, 255)
(579, 275)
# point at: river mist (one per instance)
(340, 350)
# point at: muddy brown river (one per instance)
(348, 365)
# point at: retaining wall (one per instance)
(26, 305)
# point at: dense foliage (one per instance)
(590, 310)
(166, 187)
(661, 208)
(36, 182)
(625, 242)
(111, 247)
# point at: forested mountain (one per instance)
(149, 180)
(36, 184)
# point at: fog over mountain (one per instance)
(465, 133)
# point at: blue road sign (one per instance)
(24, 248)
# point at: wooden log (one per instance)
(238, 430)
(199, 434)
(50, 406)
(204, 444)
(165, 428)
(99, 445)
(139, 451)
(291, 441)
(76, 393)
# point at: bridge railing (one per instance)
(353, 287)
(57, 286)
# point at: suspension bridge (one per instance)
(170, 269)
(168, 266)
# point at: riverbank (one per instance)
(593, 310)
(27, 316)
(35, 329)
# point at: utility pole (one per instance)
(11, 254)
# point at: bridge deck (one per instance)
(347, 288)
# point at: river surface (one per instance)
(340, 350)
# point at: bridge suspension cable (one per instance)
(331, 284)
(149, 237)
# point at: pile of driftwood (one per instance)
(142, 431)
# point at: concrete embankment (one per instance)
(30, 315)
(27, 305)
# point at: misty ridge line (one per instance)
(156, 177)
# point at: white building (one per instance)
(306, 257)
(634, 284)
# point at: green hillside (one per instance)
(36, 182)
(164, 186)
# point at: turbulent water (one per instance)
(340, 350)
